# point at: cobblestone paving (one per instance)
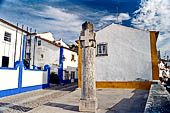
(27, 101)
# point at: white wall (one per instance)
(9, 79)
(50, 54)
(8, 48)
(31, 78)
(69, 64)
(68, 55)
(129, 54)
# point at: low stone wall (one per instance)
(158, 100)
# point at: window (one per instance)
(5, 61)
(29, 42)
(7, 37)
(42, 56)
(72, 58)
(102, 49)
(66, 75)
(39, 42)
(72, 75)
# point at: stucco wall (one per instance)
(32, 78)
(68, 62)
(50, 54)
(9, 79)
(8, 48)
(129, 54)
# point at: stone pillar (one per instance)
(88, 101)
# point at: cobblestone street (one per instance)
(28, 101)
(65, 99)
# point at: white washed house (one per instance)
(14, 76)
(57, 54)
(125, 57)
(11, 38)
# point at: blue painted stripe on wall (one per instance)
(8, 68)
(76, 80)
(60, 70)
(9, 92)
(66, 81)
(47, 68)
(21, 65)
(69, 81)
(31, 88)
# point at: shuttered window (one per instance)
(7, 37)
(102, 49)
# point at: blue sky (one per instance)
(64, 17)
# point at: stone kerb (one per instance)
(158, 100)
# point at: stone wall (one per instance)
(158, 100)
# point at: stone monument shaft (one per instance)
(88, 101)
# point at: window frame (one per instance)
(8, 37)
(42, 56)
(39, 43)
(72, 57)
(66, 75)
(101, 45)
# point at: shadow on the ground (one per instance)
(63, 106)
(135, 104)
(15, 107)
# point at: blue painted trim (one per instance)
(60, 70)
(66, 81)
(34, 66)
(20, 76)
(21, 65)
(69, 81)
(9, 92)
(8, 68)
(16, 64)
(33, 69)
(76, 80)
(31, 88)
(47, 68)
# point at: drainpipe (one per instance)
(26, 44)
(21, 43)
(15, 44)
(30, 48)
(34, 52)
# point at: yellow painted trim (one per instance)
(79, 63)
(154, 57)
(125, 85)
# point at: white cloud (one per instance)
(121, 17)
(155, 15)
(59, 19)
(113, 18)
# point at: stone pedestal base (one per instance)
(88, 105)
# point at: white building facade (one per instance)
(15, 77)
(62, 60)
(10, 43)
(125, 57)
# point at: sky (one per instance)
(64, 17)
